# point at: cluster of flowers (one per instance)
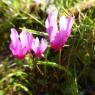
(24, 42)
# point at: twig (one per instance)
(39, 70)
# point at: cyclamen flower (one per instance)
(20, 44)
(39, 47)
(58, 37)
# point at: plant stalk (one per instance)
(59, 57)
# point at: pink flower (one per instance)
(20, 44)
(58, 37)
(39, 47)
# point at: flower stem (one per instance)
(59, 57)
(45, 72)
(36, 64)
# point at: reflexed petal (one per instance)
(14, 37)
(14, 34)
(51, 22)
(43, 45)
(63, 23)
(23, 37)
(35, 44)
(69, 25)
(30, 40)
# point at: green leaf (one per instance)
(52, 64)
(23, 87)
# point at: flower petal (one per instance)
(63, 23)
(43, 45)
(14, 37)
(35, 44)
(29, 40)
(23, 38)
(51, 22)
(70, 21)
